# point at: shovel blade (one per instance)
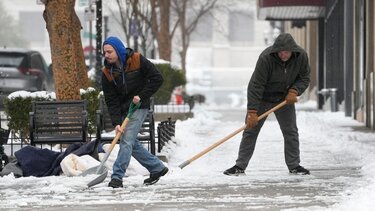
(101, 173)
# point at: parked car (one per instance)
(23, 69)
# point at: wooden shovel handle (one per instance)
(132, 108)
(118, 135)
(272, 110)
(226, 138)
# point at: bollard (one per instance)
(333, 94)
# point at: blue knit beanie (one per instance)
(120, 49)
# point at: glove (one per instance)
(251, 119)
(291, 97)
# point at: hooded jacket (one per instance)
(272, 78)
(135, 76)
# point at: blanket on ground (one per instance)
(44, 162)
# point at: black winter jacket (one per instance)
(272, 78)
(141, 78)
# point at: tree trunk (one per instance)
(164, 39)
(78, 51)
(162, 32)
(183, 54)
(62, 28)
(184, 34)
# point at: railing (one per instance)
(166, 130)
(173, 107)
(15, 142)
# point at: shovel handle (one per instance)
(226, 138)
(113, 144)
(132, 108)
(272, 110)
(118, 135)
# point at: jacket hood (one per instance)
(120, 49)
(285, 42)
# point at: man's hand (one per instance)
(251, 119)
(291, 97)
(136, 99)
(118, 129)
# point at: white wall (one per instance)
(222, 67)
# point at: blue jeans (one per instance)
(130, 146)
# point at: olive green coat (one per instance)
(272, 78)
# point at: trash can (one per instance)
(330, 93)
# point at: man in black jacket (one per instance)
(129, 77)
(282, 73)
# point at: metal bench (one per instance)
(104, 125)
(58, 122)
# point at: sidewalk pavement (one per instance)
(333, 148)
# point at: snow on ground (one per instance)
(337, 149)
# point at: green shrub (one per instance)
(173, 77)
(18, 108)
(92, 97)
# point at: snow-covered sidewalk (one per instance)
(341, 159)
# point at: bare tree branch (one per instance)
(190, 12)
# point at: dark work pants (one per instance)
(286, 117)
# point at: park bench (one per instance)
(58, 122)
(104, 125)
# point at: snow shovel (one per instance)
(101, 170)
(226, 138)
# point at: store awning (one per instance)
(291, 9)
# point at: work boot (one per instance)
(234, 171)
(155, 177)
(115, 183)
(299, 170)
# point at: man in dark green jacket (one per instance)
(282, 73)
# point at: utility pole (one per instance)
(89, 16)
(90, 39)
(99, 26)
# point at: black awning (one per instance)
(291, 9)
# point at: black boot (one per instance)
(115, 183)
(299, 170)
(155, 177)
(234, 171)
